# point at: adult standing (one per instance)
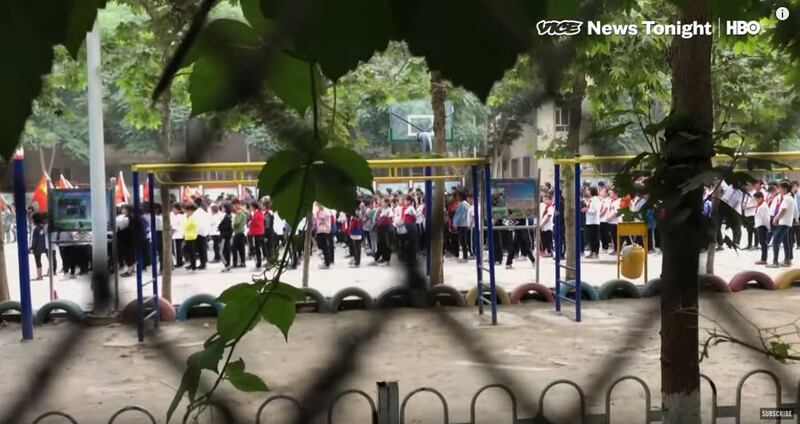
(239, 238)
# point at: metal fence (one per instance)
(389, 408)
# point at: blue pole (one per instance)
(22, 248)
(154, 242)
(487, 187)
(557, 235)
(477, 234)
(578, 242)
(428, 205)
(137, 254)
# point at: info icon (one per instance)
(782, 13)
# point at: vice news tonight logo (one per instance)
(565, 27)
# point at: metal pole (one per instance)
(49, 250)
(22, 246)
(428, 213)
(557, 235)
(477, 235)
(307, 249)
(153, 243)
(538, 223)
(137, 254)
(114, 249)
(487, 187)
(578, 242)
(97, 168)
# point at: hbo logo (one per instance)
(742, 27)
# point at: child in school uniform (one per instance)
(190, 234)
(356, 233)
(762, 224)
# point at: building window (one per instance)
(514, 168)
(562, 117)
(504, 174)
(526, 167)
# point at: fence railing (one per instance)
(389, 408)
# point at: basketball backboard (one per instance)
(408, 119)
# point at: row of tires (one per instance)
(354, 297)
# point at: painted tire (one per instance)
(10, 305)
(520, 293)
(471, 298)
(73, 310)
(440, 292)
(366, 299)
(321, 304)
(711, 282)
(652, 288)
(196, 300)
(740, 280)
(394, 297)
(587, 291)
(785, 279)
(618, 289)
(166, 311)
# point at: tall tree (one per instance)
(687, 150)
(438, 96)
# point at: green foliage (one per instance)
(242, 380)
(780, 350)
(29, 31)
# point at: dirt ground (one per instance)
(533, 344)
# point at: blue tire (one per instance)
(587, 291)
(10, 305)
(618, 289)
(73, 310)
(652, 288)
(196, 300)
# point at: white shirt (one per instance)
(613, 212)
(159, 223)
(762, 216)
(547, 218)
(203, 219)
(278, 224)
(787, 206)
(732, 197)
(177, 221)
(750, 206)
(421, 214)
(215, 219)
(471, 216)
(593, 211)
(605, 206)
(774, 204)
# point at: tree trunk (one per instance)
(574, 106)
(438, 95)
(166, 124)
(4, 294)
(166, 245)
(690, 62)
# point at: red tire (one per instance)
(166, 312)
(539, 292)
(713, 283)
(740, 281)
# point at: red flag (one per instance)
(121, 194)
(146, 191)
(63, 182)
(40, 193)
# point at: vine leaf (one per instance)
(279, 310)
(207, 358)
(334, 188)
(290, 79)
(294, 189)
(81, 19)
(278, 166)
(237, 316)
(242, 380)
(251, 9)
(350, 163)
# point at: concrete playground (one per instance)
(373, 279)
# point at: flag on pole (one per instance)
(40, 193)
(63, 183)
(146, 191)
(121, 194)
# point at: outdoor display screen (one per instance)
(70, 210)
(514, 198)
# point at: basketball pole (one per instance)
(97, 172)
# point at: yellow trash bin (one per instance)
(632, 262)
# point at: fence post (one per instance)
(388, 402)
